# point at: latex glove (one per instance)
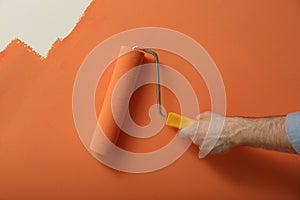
(220, 143)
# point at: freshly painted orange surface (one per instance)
(106, 119)
(255, 45)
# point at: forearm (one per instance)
(268, 133)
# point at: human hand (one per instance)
(229, 137)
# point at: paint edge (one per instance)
(55, 44)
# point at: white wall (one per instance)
(38, 23)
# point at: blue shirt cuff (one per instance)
(292, 125)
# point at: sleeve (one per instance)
(292, 125)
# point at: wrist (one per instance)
(241, 127)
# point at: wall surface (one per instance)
(255, 45)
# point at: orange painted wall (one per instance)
(255, 45)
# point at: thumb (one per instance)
(189, 131)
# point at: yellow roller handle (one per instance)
(177, 121)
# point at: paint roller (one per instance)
(106, 120)
(172, 119)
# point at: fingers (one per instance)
(196, 131)
(189, 131)
(206, 114)
(203, 115)
(220, 150)
(201, 154)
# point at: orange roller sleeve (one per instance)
(106, 120)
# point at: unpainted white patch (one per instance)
(38, 23)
